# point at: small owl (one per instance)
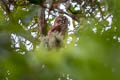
(60, 25)
(57, 32)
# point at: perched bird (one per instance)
(60, 25)
(57, 31)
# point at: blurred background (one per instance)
(90, 51)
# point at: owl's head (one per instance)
(61, 20)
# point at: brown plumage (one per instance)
(57, 31)
(60, 25)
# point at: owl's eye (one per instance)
(60, 20)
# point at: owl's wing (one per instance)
(52, 29)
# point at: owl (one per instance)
(57, 31)
(60, 25)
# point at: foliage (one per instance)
(89, 52)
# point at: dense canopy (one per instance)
(89, 51)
